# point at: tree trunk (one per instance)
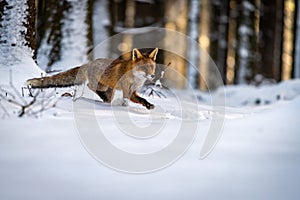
(270, 44)
(176, 14)
(89, 22)
(193, 48)
(50, 22)
(204, 42)
(295, 40)
(297, 49)
(17, 31)
(231, 51)
(288, 39)
(101, 31)
(246, 54)
(66, 35)
(30, 36)
(218, 34)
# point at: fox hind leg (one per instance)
(103, 91)
(102, 95)
(110, 94)
(107, 95)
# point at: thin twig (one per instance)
(13, 97)
(4, 110)
(154, 88)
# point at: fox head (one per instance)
(144, 64)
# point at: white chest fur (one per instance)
(139, 78)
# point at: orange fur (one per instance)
(104, 76)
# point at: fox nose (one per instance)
(150, 77)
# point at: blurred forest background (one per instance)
(250, 41)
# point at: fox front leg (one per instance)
(137, 99)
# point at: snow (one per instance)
(257, 156)
(245, 30)
(13, 47)
(24, 69)
(248, 5)
(101, 16)
(243, 52)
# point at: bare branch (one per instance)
(34, 104)
(155, 88)
(5, 113)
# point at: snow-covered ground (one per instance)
(256, 157)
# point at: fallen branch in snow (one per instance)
(154, 88)
(36, 102)
(5, 113)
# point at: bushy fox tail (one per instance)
(74, 76)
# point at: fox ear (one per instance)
(153, 54)
(136, 54)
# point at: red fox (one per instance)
(104, 76)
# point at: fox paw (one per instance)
(149, 106)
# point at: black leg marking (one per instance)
(148, 105)
(102, 95)
(144, 102)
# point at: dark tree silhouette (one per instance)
(246, 52)
(30, 35)
(219, 34)
(296, 34)
(297, 43)
(49, 26)
(270, 41)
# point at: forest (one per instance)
(250, 41)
